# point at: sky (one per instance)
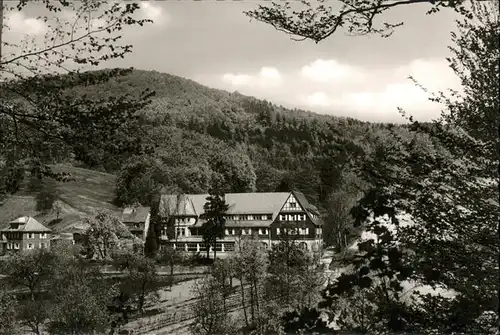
(364, 77)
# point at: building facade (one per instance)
(137, 220)
(268, 216)
(25, 233)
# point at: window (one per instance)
(282, 217)
(9, 246)
(16, 246)
(226, 232)
(302, 217)
(236, 217)
(269, 216)
(243, 232)
(307, 231)
(278, 231)
(179, 232)
(30, 245)
(164, 232)
(265, 231)
(43, 235)
(31, 235)
(293, 204)
(250, 217)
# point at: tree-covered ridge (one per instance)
(185, 137)
(188, 123)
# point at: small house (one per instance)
(25, 233)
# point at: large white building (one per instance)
(268, 216)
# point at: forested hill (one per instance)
(190, 138)
(205, 136)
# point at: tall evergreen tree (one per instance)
(214, 215)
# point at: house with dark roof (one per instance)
(25, 233)
(270, 216)
(137, 220)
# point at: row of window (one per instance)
(184, 232)
(292, 231)
(263, 217)
(247, 231)
(16, 246)
(292, 217)
(267, 217)
(222, 247)
(32, 235)
(18, 236)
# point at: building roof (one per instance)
(26, 224)
(135, 214)
(239, 203)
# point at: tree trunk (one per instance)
(215, 250)
(257, 307)
(172, 264)
(252, 302)
(243, 300)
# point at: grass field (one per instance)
(89, 191)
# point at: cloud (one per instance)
(152, 11)
(329, 71)
(267, 76)
(21, 24)
(330, 87)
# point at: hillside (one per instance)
(202, 137)
(89, 190)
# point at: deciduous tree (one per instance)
(208, 309)
(8, 306)
(443, 180)
(103, 233)
(38, 103)
(141, 281)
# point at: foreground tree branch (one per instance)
(318, 22)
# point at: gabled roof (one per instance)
(26, 224)
(310, 209)
(239, 203)
(135, 215)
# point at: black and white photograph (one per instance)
(260, 167)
